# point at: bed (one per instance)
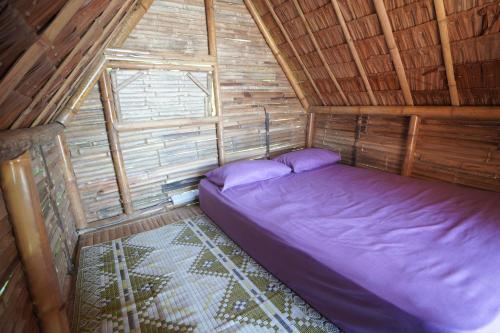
(373, 252)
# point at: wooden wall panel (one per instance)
(91, 157)
(16, 308)
(462, 152)
(59, 220)
(250, 80)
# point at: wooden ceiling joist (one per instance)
(446, 49)
(277, 54)
(33, 54)
(320, 52)
(393, 50)
(354, 52)
(100, 28)
(295, 52)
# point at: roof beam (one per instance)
(437, 112)
(277, 54)
(320, 52)
(445, 47)
(354, 52)
(289, 41)
(36, 50)
(393, 50)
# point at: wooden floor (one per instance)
(139, 225)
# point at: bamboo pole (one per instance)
(295, 52)
(25, 212)
(442, 112)
(411, 142)
(354, 52)
(135, 16)
(114, 142)
(393, 50)
(277, 54)
(212, 51)
(71, 186)
(169, 123)
(445, 47)
(320, 52)
(310, 130)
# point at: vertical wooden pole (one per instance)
(114, 142)
(411, 142)
(445, 46)
(212, 50)
(310, 129)
(71, 186)
(25, 212)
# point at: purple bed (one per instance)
(373, 252)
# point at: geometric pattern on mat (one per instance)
(184, 277)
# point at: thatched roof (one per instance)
(48, 48)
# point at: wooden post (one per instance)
(310, 130)
(295, 52)
(393, 50)
(212, 50)
(411, 142)
(277, 54)
(353, 50)
(25, 212)
(71, 186)
(320, 52)
(445, 46)
(114, 142)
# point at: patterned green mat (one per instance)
(184, 277)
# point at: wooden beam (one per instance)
(320, 52)
(354, 52)
(70, 181)
(17, 72)
(411, 142)
(277, 54)
(169, 123)
(393, 50)
(295, 52)
(212, 51)
(135, 16)
(114, 142)
(84, 65)
(25, 213)
(441, 112)
(445, 47)
(15, 142)
(310, 129)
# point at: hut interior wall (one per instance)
(16, 308)
(464, 152)
(47, 169)
(164, 161)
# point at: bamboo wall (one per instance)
(91, 157)
(456, 151)
(16, 309)
(59, 221)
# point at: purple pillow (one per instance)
(246, 172)
(308, 159)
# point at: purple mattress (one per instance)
(373, 252)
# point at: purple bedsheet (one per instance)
(373, 252)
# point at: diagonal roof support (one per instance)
(320, 52)
(353, 50)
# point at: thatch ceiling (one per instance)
(47, 46)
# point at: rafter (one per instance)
(393, 50)
(277, 54)
(320, 52)
(354, 52)
(445, 47)
(295, 52)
